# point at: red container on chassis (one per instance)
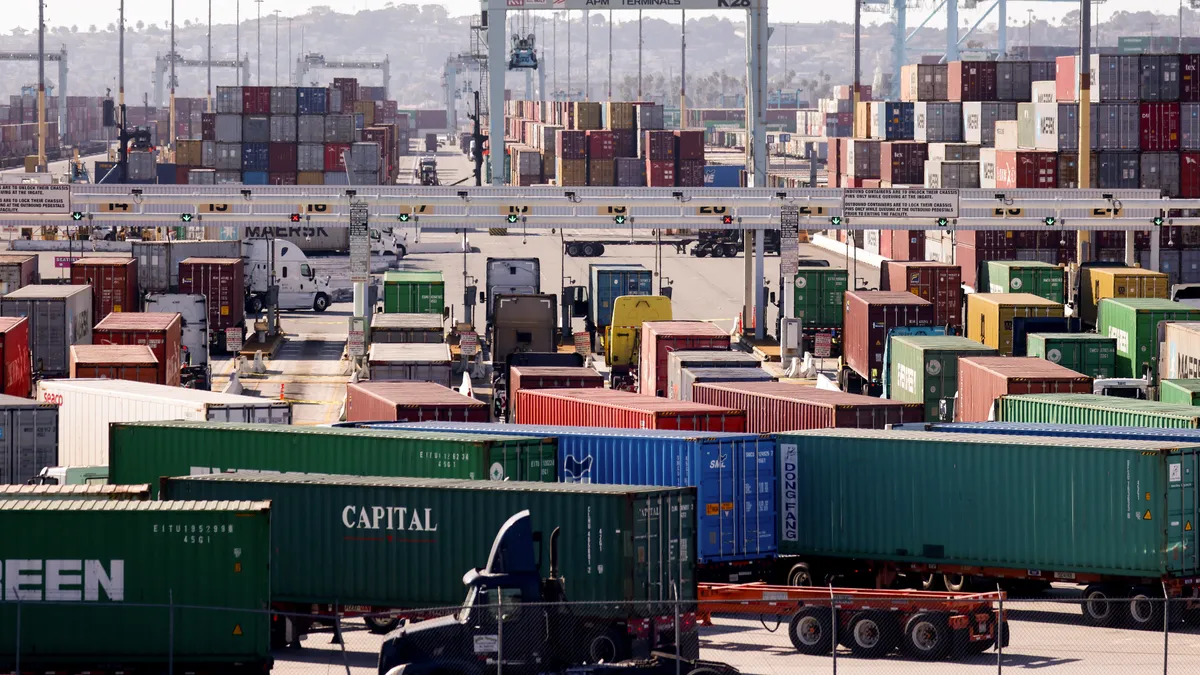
(113, 281)
(689, 144)
(660, 146)
(902, 245)
(160, 331)
(1024, 169)
(282, 178)
(16, 356)
(868, 317)
(1158, 127)
(281, 158)
(660, 173)
(335, 154)
(690, 173)
(256, 101)
(571, 144)
(901, 162)
(773, 407)
(221, 281)
(660, 338)
(17, 270)
(411, 402)
(983, 379)
(136, 363)
(939, 283)
(1189, 175)
(546, 377)
(600, 145)
(971, 81)
(623, 410)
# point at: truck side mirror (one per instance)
(482, 298)
(666, 292)
(446, 312)
(772, 297)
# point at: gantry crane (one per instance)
(61, 58)
(310, 61)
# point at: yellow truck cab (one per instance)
(622, 339)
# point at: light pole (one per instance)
(639, 55)
(210, 101)
(171, 119)
(1029, 34)
(555, 57)
(258, 58)
(276, 12)
(587, 56)
(237, 31)
(290, 52)
(610, 54)
(569, 55)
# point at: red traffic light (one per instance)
(726, 220)
(295, 217)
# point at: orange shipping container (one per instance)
(115, 362)
(160, 331)
(623, 410)
(983, 379)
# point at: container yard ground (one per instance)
(60, 167)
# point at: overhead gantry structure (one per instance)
(311, 61)
(162, 64)
(61, 58)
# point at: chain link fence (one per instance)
(1138, 634)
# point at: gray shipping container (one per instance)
(227, 177)
(693, 376)
(862, 158)
(142, 166)
(1068, 127)
(1159, 77)
(228, 128)
(407, 328)
(1042, 71)
(979, 119)
(229, 100)
(202, 177)
(1189, 126)
(931, 81)
(1118, 170)
(1013, 81)
(1160, 171)
(938, 122)
(59, 316)
(283, 101)
(17, 270)
(954, 152)
(28, 438)
(364, 157)
(228, 156)
(310, 157)
(364, 178)
(310, 129)
(677, 362)
(1115, 78)
(208, 154)
(336, 178)
(391, 362)
(960, 175)
(158, 261)
(283, 128)
(1116, 126)
(339, 128)
(256, 129)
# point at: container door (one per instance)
(718, 496)
(661, 553)
(1183, 513)
(759, 498)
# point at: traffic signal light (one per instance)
(1050, 221)
(185, 217)
(404, 217)
(295, 217)
(620, 220)
(77, 215)
(512, 217)
(726, 220)
(1158, 221)
(835, 221)
(943, 222)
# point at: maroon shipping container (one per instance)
(335, 156)
(1159, 127)
(660, 146)
(221, 282)
(181, 174)
(660, 338)
(973, 248)
(834, 160)
(546, 377)
(623, 410)
(936, 282)
(16, 356)
(1026, 169)
(901, 162)
(1189, 78)
(282, 178)
(281, 158)
(208, 126)
(160, 331)
(624, 143)
(690, 144)
(570, 144)
(17, 270)
(868, 317)
(690, 173)
(256, 100)
(983, 379)
(411, 402)
(115, 362)
(1189, 175)
(600, 144)
(113, 281)
(971, 81)
(660, 173)
(902, 245)
(773, 407)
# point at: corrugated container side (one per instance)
(115, 362)
(678, 361)
(1179, 392)
(410, 402)
(17, 375)
(1180, 352)
(162, 332)
(773, 407)
(925, 370)
(1093, 409)
(983, 380)
(1135, 323)
(869, 317)
(59, 316)
(940, 284)
(534, 377)
(28, 439)
(990, 316)
(620, 409)
(1088, 353)
(660, 338)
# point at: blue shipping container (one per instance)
(606, 283)
(312, 100)
(899, 124)
(721, 176)
(255, 156)
(255, 178)
(734, 475)
(1061, 431)
(166, 174)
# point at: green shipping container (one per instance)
(924, 369)
(1179, 392)
(1092, 354)
(413, 293)
(820, 296)
(1134, 324)
(1097, 410)
(1027, 276)
(1090, 506)
(406, 542)
(111, 557)
(143, 452)
(109, 492)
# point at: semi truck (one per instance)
(520, 324)
(288, 269)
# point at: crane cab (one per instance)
(523, 55)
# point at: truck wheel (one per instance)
(573, 250)
(800, 576)
(381, 625)
(1145, 608)
(730, 250)
(401, 252)
(926, 636)
(700, 251)
(589, 250)
(607, 647)
(872, 634)
(321, 303)
(254, 304)
(1099, 609)
(932, 582)
(811, 631)
(958, 583)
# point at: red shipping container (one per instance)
(773, 407)
(18, 360)
(843, 155)
(690, 173)
(852, 181)
(902, 162)
(256, 100)
(282, 178)
(690, 144)
(545, 377)
(411, 402)
(939, 283)
(902, 245)
(600, 144)
(1158, 127)
(660, 146)
(660, 338)
(160, 331)
(1189, 78)
(221, 281)
(114, 284)
(281, 157)
(624, 410)
(971, 81)
(1189, 175)
(335, 156)
(970, 258)
(1066, 79)
(181, 174)
(983, 379)
(868, 317)
(660, 173)
(115, 362)
(1024, 169)
(571, 144)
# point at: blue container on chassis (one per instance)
(1061, 430)
(607, 282)
(719, 176)
(734, 475)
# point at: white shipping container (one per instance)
(1045, 125)
(1006, 135)
(1045, 92)
(1180, 357)
(987, 168)
(419, 362)
(87, 407)
(59, 316)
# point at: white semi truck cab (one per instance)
(299, 285)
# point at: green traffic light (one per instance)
(76, 215)
(620, 219)
(404, 217)
(1158, 221)
(1051, 220)
(943, 222)
(835, 221)
(512, 218)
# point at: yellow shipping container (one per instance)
(189, 153)
(1099, 283)
(587, 115)
(618, 115)
(571, 171)
(990, 316)
(310, 178)
(862, 120)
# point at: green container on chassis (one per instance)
(406, 542)
(114, 555)
(1179, 392)
(1090, 506)
(924, 369)
(143, 452)
(413, 293)
(1092, 354)
(820, 296)
(1027, 276)
(1097, 410)
(1134, 324)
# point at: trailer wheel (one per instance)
(573, 250)
(926, 636)
(872, 634)
(589, 250)
(1099, 609)
(811, 631)
(1145, 609)
(321, 302)
(607, 647)
(800, 576)
(932, 582)
(958, 583)
(380, 625)
(700, 251)
(730, 250)
(599, 250)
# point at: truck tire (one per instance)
(381, 625)
(1145, 609)
(872, 634)
(401, 252)
(800, 575)
(811, 631)
(958, 583)
(321, 303)
(700, 251)
(1098, 606)
(254, 304)
(730, 250)
(599, 250)
(926, 636)
(932, 582)
(608, 647)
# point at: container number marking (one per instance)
(115, 206)
(811, 210)
(1070, 576)
(515, 210)
(214, 208)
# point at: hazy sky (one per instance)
(84, 13)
